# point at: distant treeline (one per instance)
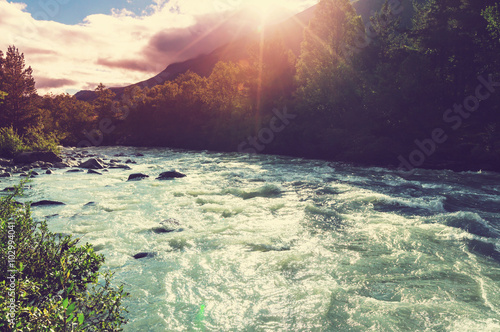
(379, 92)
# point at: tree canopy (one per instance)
(361, 91)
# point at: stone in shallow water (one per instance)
(137, 177)
(170, 175)
(47, 203)
(119, 166)
(61, 165)
(32, 157)
(94, 163)
(168, 226)
(91, 171)
(144, 255)
(484, 248)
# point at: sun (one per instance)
(265, 9)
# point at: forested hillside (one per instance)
(414, 87)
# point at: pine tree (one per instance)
(17, 81)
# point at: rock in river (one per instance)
(168, 226)
(94, 163)
(170, 175)
(144, 255)
(32, 157)
(47, 203)
(137, 177)
(61, 165)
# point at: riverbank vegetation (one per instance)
(365, 93)
(48, 282)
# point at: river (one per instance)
(269, 243)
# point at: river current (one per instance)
(269, 243)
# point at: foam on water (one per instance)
(286, 244)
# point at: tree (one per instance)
(223, 88)
(104, 102)
(17, 81)
(66, 117)
(322, 68)
(492, 16)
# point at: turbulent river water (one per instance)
(271, 243)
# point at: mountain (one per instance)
(236, 50)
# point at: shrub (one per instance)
(10, 142)
(34, 139)
(56, 285)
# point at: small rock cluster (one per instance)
(34, 163)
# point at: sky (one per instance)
(74, 45)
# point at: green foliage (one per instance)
(397, 86)
(58, 286)
(66, 117)
(10, 143)
(17, 81)
(103, 105)
(361, 95)
(492, 16)
(34, 139)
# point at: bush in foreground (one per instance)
(47, 282)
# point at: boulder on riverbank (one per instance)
(137, 177)
(94, 163)
(33, 157)
(5, 162)
(170, 175)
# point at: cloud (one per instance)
(206, 34)
(51, 83)
(120, 47)
(129, 64)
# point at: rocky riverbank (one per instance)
(34, 163)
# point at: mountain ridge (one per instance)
(290, 29)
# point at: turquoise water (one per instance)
(281, 244)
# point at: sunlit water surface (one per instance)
(281, 244)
